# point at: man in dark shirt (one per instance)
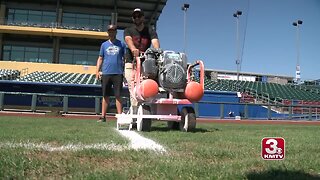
(138, 38)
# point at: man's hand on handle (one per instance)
(135, 52)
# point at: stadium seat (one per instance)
(9, 74)
(59, 77)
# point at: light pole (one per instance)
(237, 15)
(185, 8)
(298, 76)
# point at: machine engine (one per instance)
(150, 64)
(168, 68)
(173, 71)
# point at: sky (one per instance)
(268, 40)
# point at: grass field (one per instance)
(214, 151)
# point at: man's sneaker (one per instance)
(102, 119)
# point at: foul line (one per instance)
(68, 147)
(139, 142)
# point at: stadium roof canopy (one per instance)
(152, 10)
(124, 8)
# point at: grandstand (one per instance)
(51, 46)
(271, 90)
(55, 44)
(9, 74)
(58, 77)
(64, 31)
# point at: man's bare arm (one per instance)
(133, 49)
(155, 43)
(98, 67)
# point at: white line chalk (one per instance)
(138, 142)
(67, 147)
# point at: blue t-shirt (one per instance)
(112, 54)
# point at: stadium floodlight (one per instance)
(237, 14)
(184, 8)
(298, 24)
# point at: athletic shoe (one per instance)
(102, 119)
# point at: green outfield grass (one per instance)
(214, 151)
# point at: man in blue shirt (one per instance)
(110, 70)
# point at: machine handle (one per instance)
(191, 66)
(135, 82)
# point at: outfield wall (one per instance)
(221, 103)
(87, 98)
(214, 109)
(54, 96)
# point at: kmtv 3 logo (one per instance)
(273, 148)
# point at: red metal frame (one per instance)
(166, 108)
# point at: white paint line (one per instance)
(139, 142)
(68, 147)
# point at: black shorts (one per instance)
(108, 81)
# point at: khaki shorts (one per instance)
(128, 75)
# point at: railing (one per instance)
(52, 30)
(33, 107)
(310, 112)
(24, 72)
(69, 26)
(265, 97)
(271, 113)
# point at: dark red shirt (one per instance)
(141, 39)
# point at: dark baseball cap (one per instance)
(137, 11)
